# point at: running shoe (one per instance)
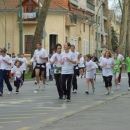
(87, 92)
(107, 93)
(9, 92)
(43, 88)
(36, 82)
(119, 83)
(129, 89)
(17, 92)
(68, 100)
(1, 94)
(116, 88)
(74, 91)
(93, 90)
(64, 97)
(38, 88)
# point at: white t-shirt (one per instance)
(0, 61)
(100, 59)
(94, 71)
(57, 58)
(76, 56)
(5, 66)
(48, 66)
(34, 63)
(38, 53)
(18, 71)
(68, 67)
(24, 62)
(107, 70)
(81, 62)
(90, 65)
(120, 57)
(13, 60)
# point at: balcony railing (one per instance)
(28, 16)
(71, 20)
(90, 6)
(104, 14)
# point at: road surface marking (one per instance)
(86, 107)
(12, 115)
(69, 112)
(6, 122)
(16, 118)
(24, 128)
(48, 120)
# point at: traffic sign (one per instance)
(9, 45)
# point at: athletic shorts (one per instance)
(116, 75)
(41, 67)
(89, 80)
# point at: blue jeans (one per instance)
(4, 75)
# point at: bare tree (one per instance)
(40, 25)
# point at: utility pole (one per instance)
(5, 22)
(21, 29)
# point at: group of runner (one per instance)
(67, 66)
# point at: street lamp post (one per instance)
(21, 29)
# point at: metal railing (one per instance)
(71, 19)
(91, 6)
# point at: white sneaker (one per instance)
(107, 93)
(43, 88)
(9, 92)
(129, 89)
(118, 87)
(119, 83)
(112, 92)
(38, 88)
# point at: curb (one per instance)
(84, 108)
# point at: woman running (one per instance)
(128, 69)
(116, 70)
(68, 60)
(107, 64)
(55, 59)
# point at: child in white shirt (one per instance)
(90, 66)
(48, 67)
(17, 71)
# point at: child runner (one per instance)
(116, 70)
(90, 66)
(128, 69)
(17, 71)
(107, 64)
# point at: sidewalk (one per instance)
(113, 115)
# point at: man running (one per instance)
(40, 56)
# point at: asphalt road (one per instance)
(30, 111)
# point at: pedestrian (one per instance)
(55, 60)
(68, 60)
(120, 57)
(128, 69)
(90, 66)
(116, 70)
(107, 64)
(24, 64)
(40, 56)
(76, 70)
(81, 65)
(48, 67)
(17, 71)
(6, 62)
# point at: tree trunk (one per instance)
(109, 44)
(40, 25)
(123, 29)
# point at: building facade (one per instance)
(65, 23)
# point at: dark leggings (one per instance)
(129, 78)
(108, 81)
(23, 75)
(66, 84)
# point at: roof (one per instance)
(14, 4)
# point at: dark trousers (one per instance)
(58, 84)
(4, 75)
(23, 75)
(67, 88)
(108, 81)
(74, 82)
(119, 78)
(17, 85)
(129, 78)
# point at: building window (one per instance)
(28, 43)
(66, 39)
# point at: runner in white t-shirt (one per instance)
(81, 65)
(68, 60)
(121, 58)
(107, 64)
(24, 62)
(90, 66)
(55, 60)
(40, 56)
